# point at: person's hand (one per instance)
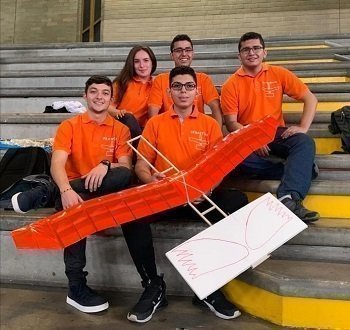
(93, 179)
(118, 113)
(157, 176)
(293, 130)
(263, 151)
(70, 198)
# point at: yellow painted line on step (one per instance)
(289, 311)
(298, 47)
(321, 106)
(325, 146)
(329, 206)
(308, 80)
(326, 60)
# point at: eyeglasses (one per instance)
(255, 49)
(189, 86)
(181, 50)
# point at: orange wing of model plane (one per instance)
(66, 227)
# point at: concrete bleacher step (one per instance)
(76, 82)
(301, 43)
(296, 293)
(330, 198)
(162, 54)
(327, 233)
(315, 278)
(116, 61)
(326, 240)
(219, 73)
(36, 104)
(21, 125)
(309, 273)
(74, 77)
(30, 105)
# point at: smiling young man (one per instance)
(181, 52)
(182, 134)
(90, 158)
(255, 91)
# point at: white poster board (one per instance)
(244, 239)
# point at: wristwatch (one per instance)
(107, 163)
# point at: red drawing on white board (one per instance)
(256, 232)
(197, 267)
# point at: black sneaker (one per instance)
(297, 207)
(86, 300)
(26, 184)
(219, 305)
(34, 198)
(152, 298)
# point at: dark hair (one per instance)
(98, 80)
(180, 37)
(249, 36)
(181, 70)
(128, 71)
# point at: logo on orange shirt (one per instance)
(270, 87)
(110, 146)
(199, 139)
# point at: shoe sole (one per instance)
(218, 314)
(87, 309)
(161, 303)
(15, 205)
(308, 220)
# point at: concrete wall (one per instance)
(161, 19)
(43, 21)
(40, 21)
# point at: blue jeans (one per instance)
(295, 174)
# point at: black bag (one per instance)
(340, 124)
(18, 163)
(50, 109)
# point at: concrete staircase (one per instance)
(306, 283)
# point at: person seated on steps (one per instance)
(256, 90)
(90, 159)
(181, 53)
(182, 134)
(132, 87)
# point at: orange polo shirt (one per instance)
(253, 98)
(183, 143)
(87, 143)
(160, 97)
(135, 99)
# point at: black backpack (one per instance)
(18, 163)
(340, 124)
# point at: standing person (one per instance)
(181, 134)
(255, 91)
(132, 87)
(181, 52)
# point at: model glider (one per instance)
(66, 227)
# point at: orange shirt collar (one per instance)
(194, 113)
(108, 121)
(242, 73)
(139, 81)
